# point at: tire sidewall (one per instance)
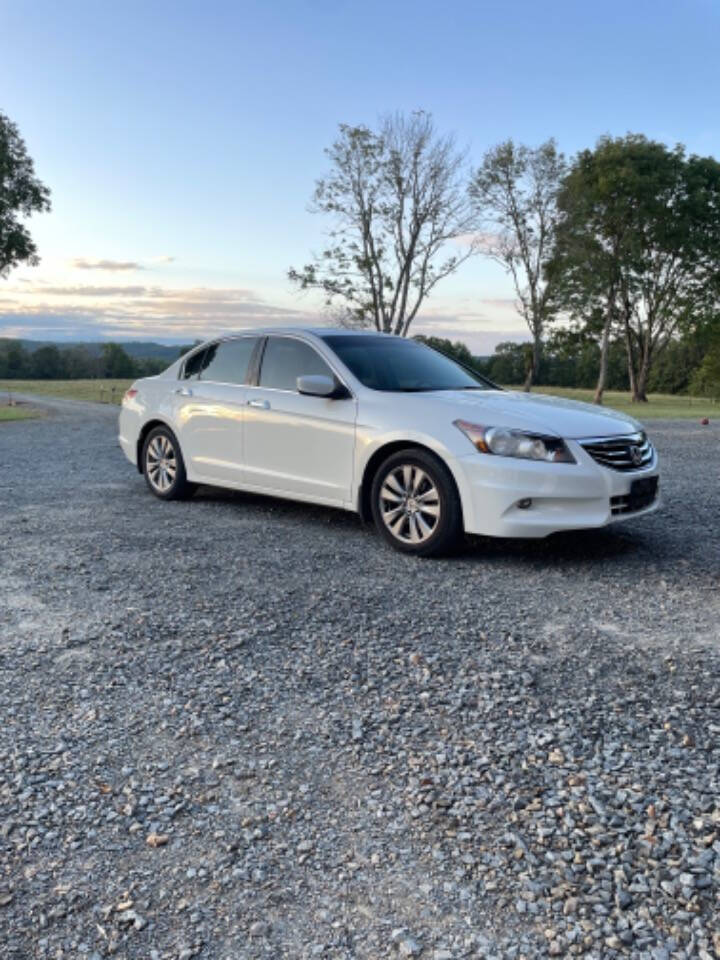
(449, 527)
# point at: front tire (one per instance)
(415, 504)
(164, 467)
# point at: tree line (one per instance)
(614, 254)
(689, 365)
(51, 362)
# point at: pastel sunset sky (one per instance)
(181, 140)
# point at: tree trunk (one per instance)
(630, 362)
(604, 350)
(639, 392)
(533, 365)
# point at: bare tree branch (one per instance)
(515, 192)
(398, 198)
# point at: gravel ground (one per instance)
(243, 728)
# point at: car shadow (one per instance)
(573, 547)
(281, 508)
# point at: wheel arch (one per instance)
(381, 454)
(146, 428)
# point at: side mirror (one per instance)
(316, 385)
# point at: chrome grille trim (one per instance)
(616, 452)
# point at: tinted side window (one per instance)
(228, 361)
(286, 359)
(193, 365)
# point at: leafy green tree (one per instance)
(14, 360)
(149, 366)
(21, 194)
(706, 380)
(638, 247)
(509, 363)
(397, 197)
(80, 364)
(116, 364)
(514, 191)
(46, 363)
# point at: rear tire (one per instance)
(415, 504)
(164, 467)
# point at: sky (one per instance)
(181, 141)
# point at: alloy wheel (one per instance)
(409, 504)
(161, 463)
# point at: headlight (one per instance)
(515, 443)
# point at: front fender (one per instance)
(369, 453)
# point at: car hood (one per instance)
(535, 411)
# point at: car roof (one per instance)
(320, 332)
(315, 331)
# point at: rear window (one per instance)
(228, 361)
(193, 365)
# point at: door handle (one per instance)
(184, 391)
(260, 404)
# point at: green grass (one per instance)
(97, 391)
(660, 406)
(18, 413)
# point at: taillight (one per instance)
(129, 394)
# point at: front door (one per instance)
(297, 445)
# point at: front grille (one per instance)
(632, 452)
(642, 494)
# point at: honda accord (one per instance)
(389, 428)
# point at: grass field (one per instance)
(659, 406)
(97, 391)
(18, 413)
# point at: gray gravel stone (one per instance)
(349, 750)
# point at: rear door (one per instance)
(210, 411)
(297, 445)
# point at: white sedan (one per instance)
(388, 428)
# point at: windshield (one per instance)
(383, 362)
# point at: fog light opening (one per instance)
(524, 504)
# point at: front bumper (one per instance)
(564, 496)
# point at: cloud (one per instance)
(96, 263)
(87, 290)
(90, 263)
(137, 311)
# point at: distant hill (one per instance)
(137, 349)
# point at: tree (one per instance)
(509, 363)
(639, 241)
(79, 363)
(46, 363)
(514, 191)
(706, 380)
(21, 194)
(397, 198)
(115, 363)
(14, 360)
